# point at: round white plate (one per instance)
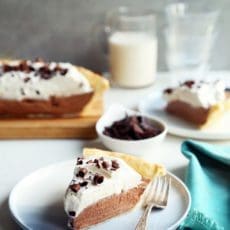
(36, 202)
(154, 105)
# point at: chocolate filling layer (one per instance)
(109, 207)
(197, 116)
(55, 106)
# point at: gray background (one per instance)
(64, 30)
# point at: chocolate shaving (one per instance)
(105, 164)
(75, 187)
(23, 66)
(72, 213)
(132, 128)
(6, 68)
(98, 179)
(45, 72)
(82, 172)
(189, 84)
(63, 71)
(84, 183)
(115, 165)
(31, 68)
(79, 161)
(96, 161)
(168, 91)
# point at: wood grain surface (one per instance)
(83, 127)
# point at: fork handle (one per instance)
(142, 223)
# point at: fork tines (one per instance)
(158, 191)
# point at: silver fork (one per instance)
(157, 196)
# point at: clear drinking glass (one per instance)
(189, 38)
(132, 44)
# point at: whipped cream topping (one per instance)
(39, 80)
(197, 94)
(95, 179)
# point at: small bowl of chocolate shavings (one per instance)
(128, 131)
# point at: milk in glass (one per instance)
(133, 58)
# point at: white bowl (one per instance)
(136, 147)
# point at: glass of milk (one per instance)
(132, 47)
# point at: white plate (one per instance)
(154, 105)
(36, 202)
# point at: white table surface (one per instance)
(21, 157)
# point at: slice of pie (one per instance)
(198, 102)
(106, 184)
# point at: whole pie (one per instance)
(46, 88)
(106, 184)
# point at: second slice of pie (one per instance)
(199, 102)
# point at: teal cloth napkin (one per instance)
(208, 180)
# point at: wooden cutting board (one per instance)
(82, 127)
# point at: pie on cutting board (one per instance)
(39, 88)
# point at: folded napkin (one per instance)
(208, 180)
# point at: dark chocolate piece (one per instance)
(75, 187)
(79, 161)
(189, 83)
(96, 161)
(105, 164)
(98, 179)
(168, 90)
(72, 213)
(115, 164)
(84, 183)
(132, 128)
(82, 172)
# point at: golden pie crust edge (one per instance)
(216, 112)
(146, 169)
